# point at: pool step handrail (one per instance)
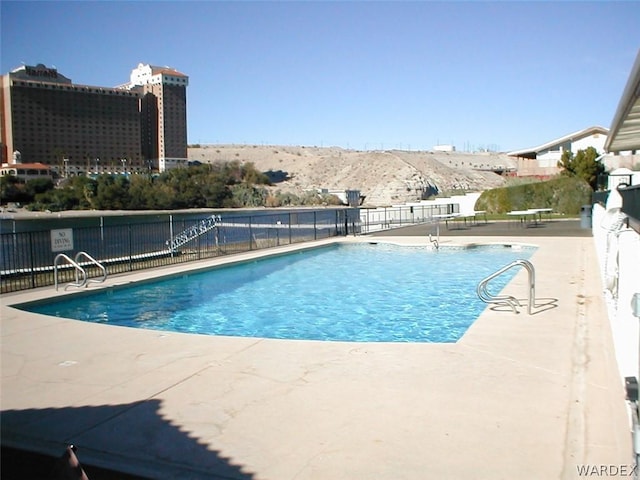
(434, 242)
(509, 300)
(93, 261)
(81, 274)
(193, 232)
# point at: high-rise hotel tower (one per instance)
(163, 110)
(75, 129)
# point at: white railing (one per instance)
(81, 275)
(93, 261)
(81, 278)
(193, 232)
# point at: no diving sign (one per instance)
(62, 240)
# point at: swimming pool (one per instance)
(349, 292)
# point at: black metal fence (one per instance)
(28, 258)
(126, 243)
(631, 201)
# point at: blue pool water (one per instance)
(358, 293)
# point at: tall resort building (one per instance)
(78, 129)
(163, 108)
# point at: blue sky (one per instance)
(361, 75)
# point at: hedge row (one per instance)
(564, 194)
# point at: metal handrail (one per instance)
(509, 300)
(96, 263)
(78, 268)
(434, 242)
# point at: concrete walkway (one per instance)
(527, 397)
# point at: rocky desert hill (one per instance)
(386, 177)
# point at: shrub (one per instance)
(563, 194)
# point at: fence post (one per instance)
(250, 234)
(101, 249)
(130, 248)
(290, 237)
(32, 266)
(171, 233)
(315, 226)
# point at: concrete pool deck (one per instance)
(518, 396)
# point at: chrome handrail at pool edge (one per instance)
(509, 300)
(78, 283)
(102, 268)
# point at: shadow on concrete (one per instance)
(133, 439)
(543, 304)
(540, 304)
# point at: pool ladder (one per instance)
(508, 300)
(434, 242)
(80, 273)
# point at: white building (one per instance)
(26, 171)
(542, 161)
(444, 148)
(616, 233)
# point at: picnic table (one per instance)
(540, 211)
(461, 216)
(531, 215)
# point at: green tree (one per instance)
(252, 176)
(246, 195)
(77, 194)
(583, 165)
(161, 197)
(285, 199)
(84, 189)
(216, 193)
(112, 193)
(10, 189)
(225, 184)
(140, 192)
(38, 185)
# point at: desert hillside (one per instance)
(383, 177)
